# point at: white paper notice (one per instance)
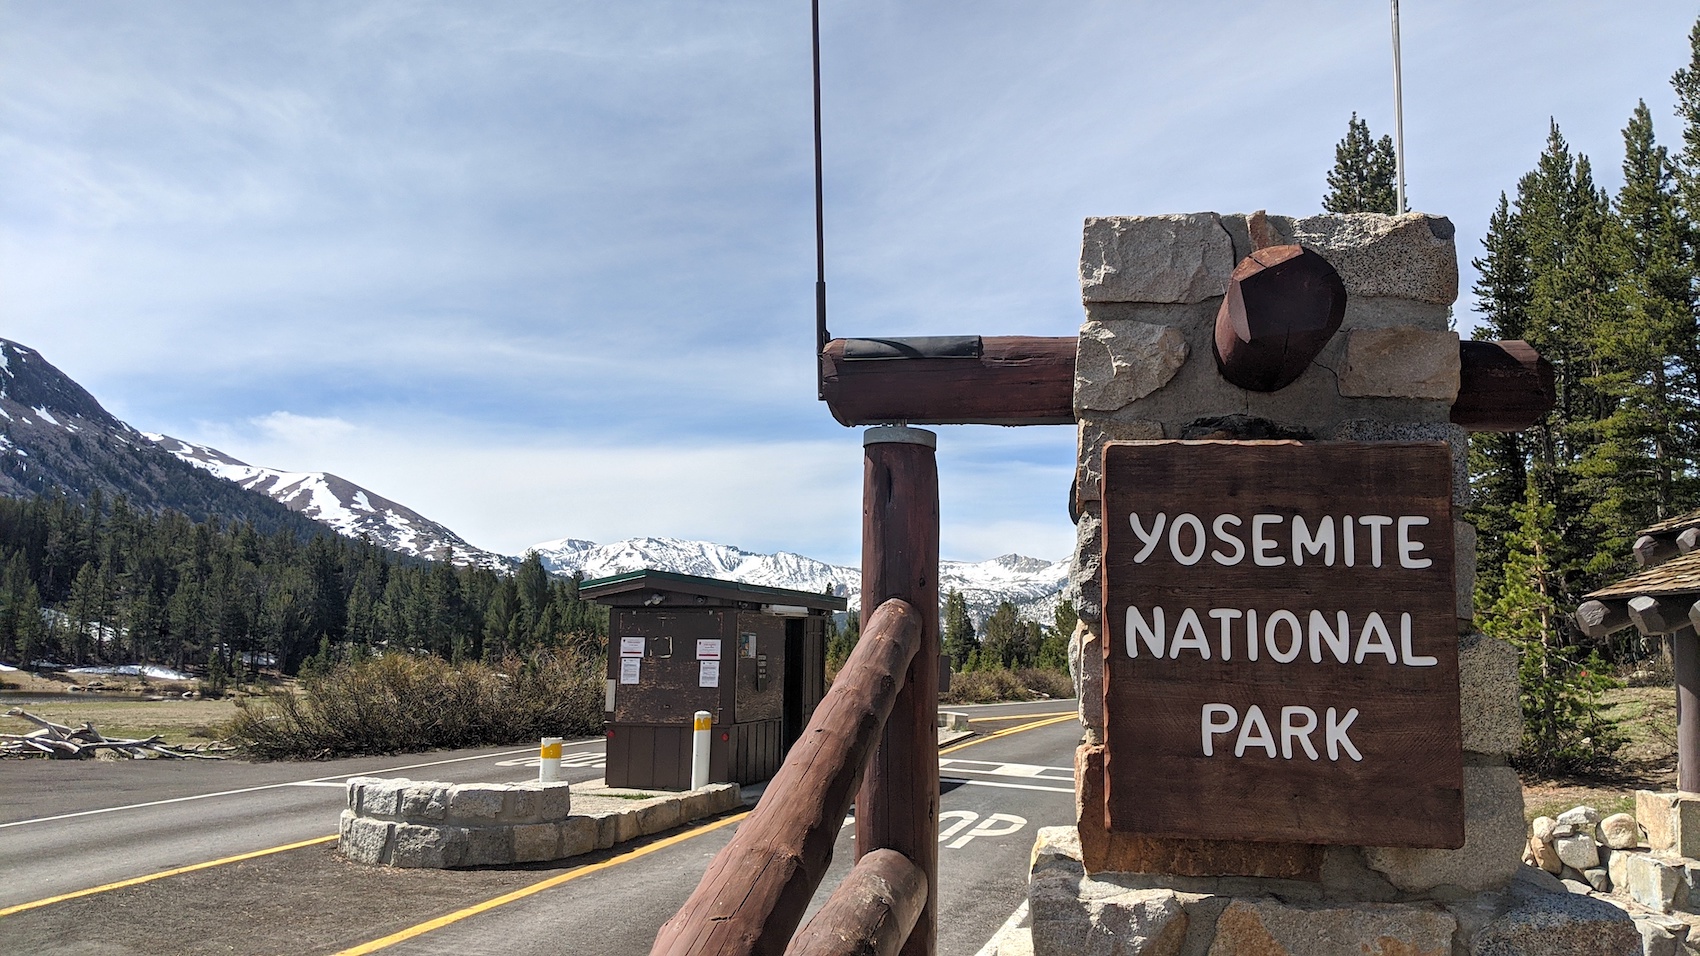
(629, 669)
(708, 674)
(708, 651)
(631, 647)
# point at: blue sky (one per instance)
(545, 269)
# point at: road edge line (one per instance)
(149, 878)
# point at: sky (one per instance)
(546, 269)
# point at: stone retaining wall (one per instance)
(414, 823)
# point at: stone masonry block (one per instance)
(1400, 363)
(727, 796)
(554, 800)
(356, 787)
(1454, 436)
(1083, 583)
(417, 845)
(1411, 256)
(577, 835)
(519, 805)
(1656, 884)
(658, 817)
(1489, 709)
(1086, 665)
(1268, 927)
(616, 827)
(489, 846)
(1494, 838)
(476, 803)
(1464, 570)
(1558, 924)
(425, 802)
(1171, 258)
(1671, 820)
(1092, 435)
(382, 798)
(535, 842)
(365, 840)
(1117, 363)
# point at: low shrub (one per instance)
(398, 703)
(990, 685)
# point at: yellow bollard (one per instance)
(549, 760)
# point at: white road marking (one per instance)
(339, 784)
(995, 768)
(339, 778)
(1015, 921)
(959, 781)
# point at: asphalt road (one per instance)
(67, 826)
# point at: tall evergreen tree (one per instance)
(1642, 461)
(959, 640)
(1363, 173)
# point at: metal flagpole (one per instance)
(1398, 116)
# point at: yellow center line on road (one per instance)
(523, 892)
(136, 881)
(1007, 731)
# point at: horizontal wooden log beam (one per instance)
(758, 886)
(1016, 380)
(1660, 615)
(1650, 551)
(1601, 619)
(1029, 380)
(871, 912)
(1502, 386)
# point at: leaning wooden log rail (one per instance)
(756, 890)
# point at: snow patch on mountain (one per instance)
(1032, 585)
(339, 504)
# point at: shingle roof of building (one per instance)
(1674, 525)
(1679, 575)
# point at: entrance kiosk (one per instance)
(752, 657)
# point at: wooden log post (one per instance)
(758, 887)
(1685, 661)
(898, 806)
(871, 913)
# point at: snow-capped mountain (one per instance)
(1032, 585)
(341, 505)
(55, 438)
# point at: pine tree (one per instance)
(1498, 467)
(1562, 729)
(959, 639)
(1686, 83)
(1640, 467)
(1006, 641)
(1363, 173)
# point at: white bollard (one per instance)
(549, 760)
(699, 750)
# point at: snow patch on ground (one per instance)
(151, 671)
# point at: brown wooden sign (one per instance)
(1281, 656)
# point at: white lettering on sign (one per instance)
(1283, 635)
(1297, 725)
(1329, 537)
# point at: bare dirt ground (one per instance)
(309, 900)
(1647, 716)
(178, 721)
